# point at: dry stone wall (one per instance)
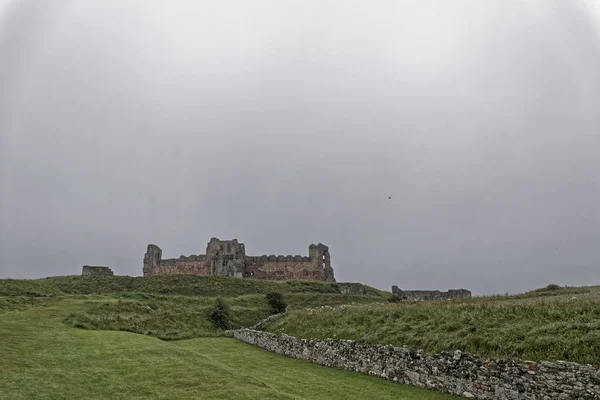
(455, 373)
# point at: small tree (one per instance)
(276, 302)
(219, 314)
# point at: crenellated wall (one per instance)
(191, 265)
(284, 268)
(228, 258)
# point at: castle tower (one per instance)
(227, 257)
(152, 259)
(320, 254)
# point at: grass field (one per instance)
(43, 358)
(554, 324)
(188, 285)
(118, 354)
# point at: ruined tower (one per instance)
(226, 257)
(152, 259)
(320, 254)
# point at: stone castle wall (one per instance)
(228, 258)
(192, 265)
(285, 268)
(96, 270)
(431, 294)
(455, 373)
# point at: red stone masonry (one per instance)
(228, 258)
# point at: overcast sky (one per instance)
(285, 123)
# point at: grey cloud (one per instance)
(286, 123)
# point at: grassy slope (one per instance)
(184, 317)
(540, 325)
(189, 285)
(167, 307)
(42, 358)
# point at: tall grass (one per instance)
(184, 317)
(562, 329)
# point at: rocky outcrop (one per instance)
(452, 372)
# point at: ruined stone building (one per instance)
(96, 270)
(228, 258)
(431, 294)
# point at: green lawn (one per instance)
(43, 358)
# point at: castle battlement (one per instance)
(228, 258)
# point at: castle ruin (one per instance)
(96, 270)
(431, 294)
(228, 258)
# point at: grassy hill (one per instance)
(170, 306)
(552, 323)
(184, 317)
(43, 358)
(188, 285)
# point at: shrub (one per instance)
(552, 286)
(219, 314)
(276, 302)
(394, 298)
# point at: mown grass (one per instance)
(189, 285)
(42, 358)
(565, 327)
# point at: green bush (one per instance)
(552, 287)
(276, 302)
(219, 314)
(394, 298)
